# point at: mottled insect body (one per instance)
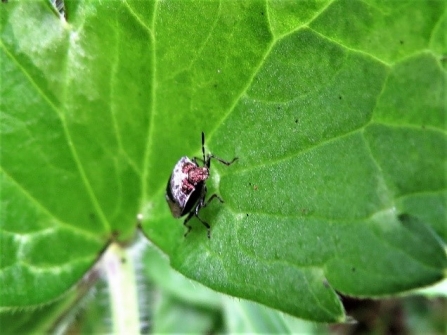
(186, 189)
(185, 179)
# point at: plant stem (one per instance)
(120, 275)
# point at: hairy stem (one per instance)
(120, 275)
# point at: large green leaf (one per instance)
(336, 110)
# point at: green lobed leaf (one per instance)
(245, 317)
(172, 316)
(43, 320)
(336, 110)
(157, 269)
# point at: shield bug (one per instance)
(186, 189)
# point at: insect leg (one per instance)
(208, 228)
(185, 223)
(202, 204)
(199, 205)
(194, 159)
(221, 160)
(214, 196)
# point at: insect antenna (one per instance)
(203, 147)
